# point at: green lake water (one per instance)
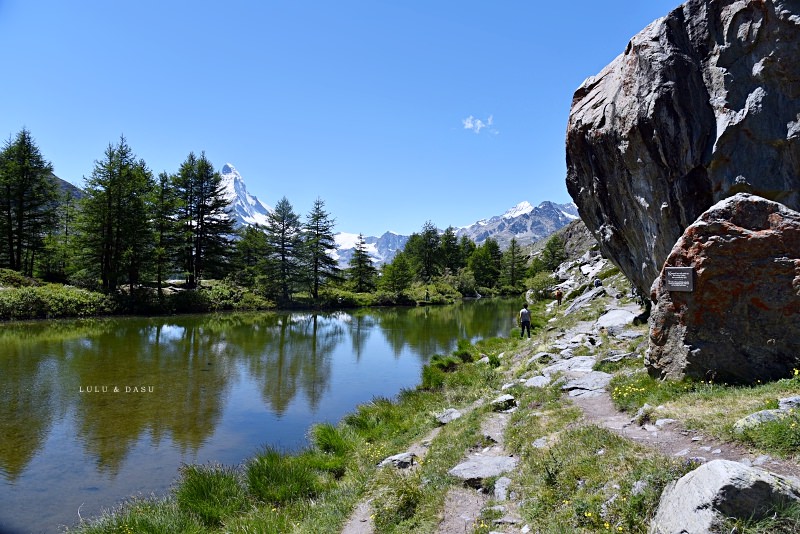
(95, 411)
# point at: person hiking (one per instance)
(559, 296)
(525, 321)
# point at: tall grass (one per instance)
(210, 493)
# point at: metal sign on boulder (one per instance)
(741, 321)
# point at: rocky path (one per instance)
(587, 389)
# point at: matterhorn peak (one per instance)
(246, 208)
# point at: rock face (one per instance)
(702, 104)
(741, 323)
(721, 488)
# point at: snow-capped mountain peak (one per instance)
(246, 209)
(520, 209)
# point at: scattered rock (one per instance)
(501, 486)
(537, 382)
(739, 324)
(699, 500)
(404, 460)
(584, 299)
(540, 357)
(449, 415)
(540, 443)
(591, 384)
(615, 320)
(755, 419)
(571, 368)
(789, 403)
(478, 468)
(503, 402)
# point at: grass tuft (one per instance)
(210, 493)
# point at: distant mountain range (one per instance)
(525, 222)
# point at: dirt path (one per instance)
(673, 440)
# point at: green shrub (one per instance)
(52, 301)
(342, 298)
(11, 278)
(541, 285)
(211, 493)
(189, 301)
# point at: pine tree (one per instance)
(204, 218)
(319, 242)
(361, 272)
(284, 239)
(115, 218)
(27, 202)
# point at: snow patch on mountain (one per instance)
(524, 222)
(381, 249)
(520, 209)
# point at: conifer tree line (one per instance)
(131, 229)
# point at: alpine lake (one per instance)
(95, 411)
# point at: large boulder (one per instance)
(741, 321)
(701, 499)
(702, 104)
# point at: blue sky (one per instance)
(393, 113)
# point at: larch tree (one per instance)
(165, 229)
(115, 220)
(284, 238)
(319, 241)
(203, 215)
(28, 197)
(450, 251)
(361, 273)
(513, 264)
(397, 275)
(424, 252)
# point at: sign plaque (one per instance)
(679, 278)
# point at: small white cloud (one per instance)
(471, 123)
(476, 125)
